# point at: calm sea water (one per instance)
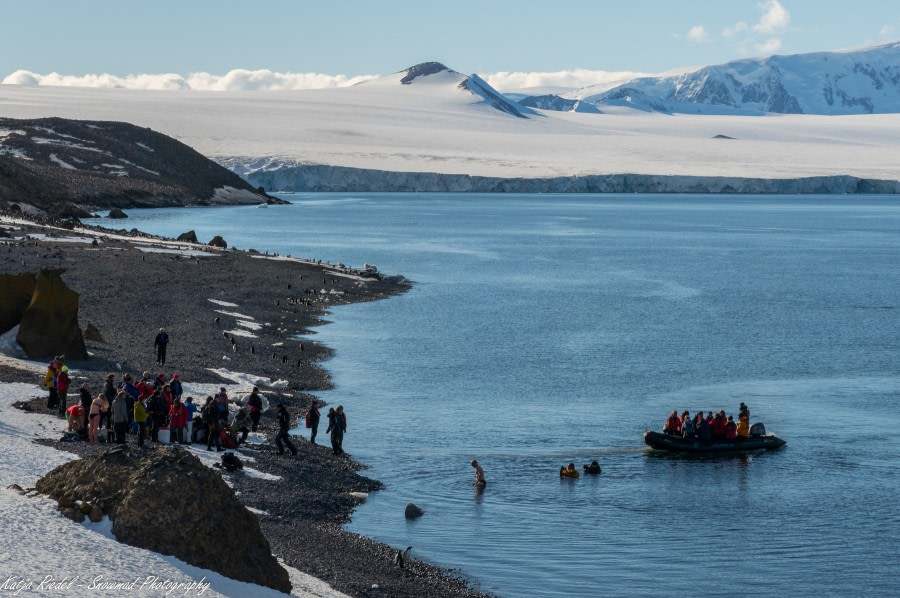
(549, 329)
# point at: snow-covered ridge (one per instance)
(863, 81)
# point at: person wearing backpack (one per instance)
(255, 403)
(284, 424)
(210, 414)
(120, 416)
(312, 421)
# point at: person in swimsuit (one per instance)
(480, 482)
(98, 406)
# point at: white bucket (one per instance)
(163, 435)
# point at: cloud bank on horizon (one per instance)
(266, 80)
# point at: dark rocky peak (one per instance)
(423, 70)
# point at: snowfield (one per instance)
(432, 125)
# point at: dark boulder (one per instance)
(413, 512)
(188, 237)
(49, 325)
(15, 295)
(218, 241)
(117, 214)
(153, 503)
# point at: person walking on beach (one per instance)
(254, 402)
(337, 425)
(480, 482)
(284, 424)
(162, 340)
(312, 421)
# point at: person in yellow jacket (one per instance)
(569, 471)
(743, 427)
(50, 384)
(140, 418)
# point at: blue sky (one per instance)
(369, 37)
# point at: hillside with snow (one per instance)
(432, 128)
(834, 83)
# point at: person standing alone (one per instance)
(162, 339)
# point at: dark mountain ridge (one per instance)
(49, 163)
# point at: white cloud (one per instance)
(738, 27)
(504, 80)
(234, 80)
(775, 17)
(697, 34)
(770, 46)
(887, 30)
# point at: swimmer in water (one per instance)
(480, 482)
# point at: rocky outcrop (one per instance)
(188, 237)
(49, 325)
(48, 163)
(117, 214)
(318, 178)
(92, 334)
(16, 291)
(168, 503)
(218, 241)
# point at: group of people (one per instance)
(712, 426)
(151, 404)
(569, 471)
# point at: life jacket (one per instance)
(568, 473)
(74, 411)
(730, 430)
(673, 423)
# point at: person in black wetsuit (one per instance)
(162, 340)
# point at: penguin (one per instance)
(402, 556)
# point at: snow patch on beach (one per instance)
(233, 314)
(243, 333)
(250, 325)
(256, 511)
(174, 250)
(68, 239)
(13, 356)
(222, 303)
(244, 381)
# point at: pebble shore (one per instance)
(129, 293)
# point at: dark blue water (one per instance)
(549, 329)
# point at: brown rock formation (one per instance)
(117, 213)
(189, 237)
(172, 504)
(15, 295)
(218, 241)
(49, 325)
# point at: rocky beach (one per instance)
(232, 316)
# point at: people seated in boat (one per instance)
(730, 428)
(673, 425)
(569, 471)
(743, 426)
(687, 426)
(592, 469)
(718, 425)
(697, 418)
(704, 431)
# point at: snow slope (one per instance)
(432, 125)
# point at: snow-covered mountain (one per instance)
(432, 124)
(854, 82)
(446, 81)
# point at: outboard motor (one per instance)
(758, 429)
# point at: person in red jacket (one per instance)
(673, 425)
(62, 388)
(177, 421)
(718, 425)
(730, 429)
(75, 415)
